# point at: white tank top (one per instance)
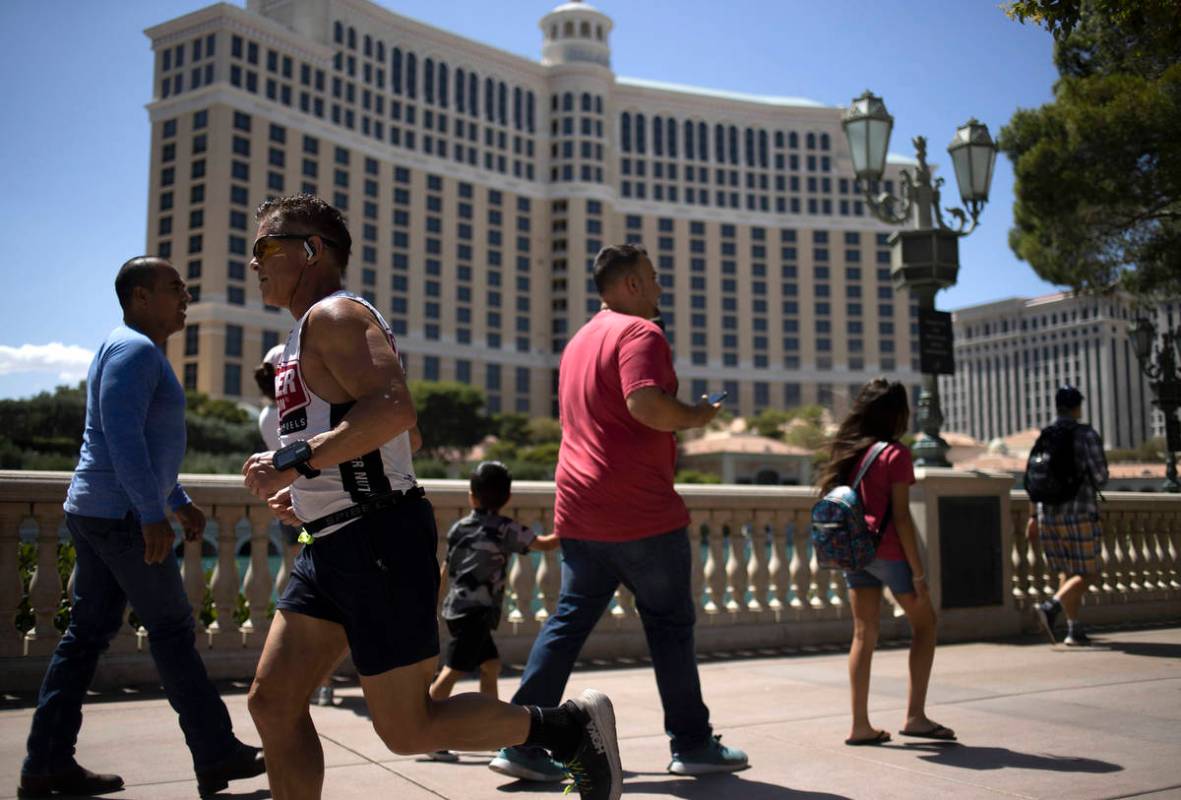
(303, 414)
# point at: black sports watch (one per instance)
(295, 456)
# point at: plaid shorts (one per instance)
(1071, 543)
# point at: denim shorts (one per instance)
(895, 574)
(378, 578)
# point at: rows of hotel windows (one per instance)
(730, 287)
(577, 140)
(673, 164)
(424, 91)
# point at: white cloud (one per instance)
(69, 361)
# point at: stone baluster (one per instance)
(1133, 562)
(1040, 584)
(45, 590)
(257, 585)
(225, 583)
(11, 516)
(1154, 573)
(778, 586)
(1173, 548)
(193, 576)
(549, 574)
(801, 565)
(520, 581)
(818, 585)
(697, 519)
(1106, 588)
(1118, 553)
(837, 591)
(287, 556)
(715, 576)
(1020, 568)
(736, 576)
(758, 568)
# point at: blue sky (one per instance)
(74, 133)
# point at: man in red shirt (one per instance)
(618, 516)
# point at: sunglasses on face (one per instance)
(268, 245)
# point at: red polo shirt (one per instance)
(615, 475)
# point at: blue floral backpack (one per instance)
(840, 535)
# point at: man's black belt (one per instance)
(376, 503)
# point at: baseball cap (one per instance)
(273, 355)
(1068, 397)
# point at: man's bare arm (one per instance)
(357, 354)
(663, 412)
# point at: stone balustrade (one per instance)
(758, 584)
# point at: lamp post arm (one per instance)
(883, 204)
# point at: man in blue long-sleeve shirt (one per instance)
(126, 479)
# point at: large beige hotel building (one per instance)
(478, 186)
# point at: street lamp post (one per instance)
(1160, 366)
(925, 252)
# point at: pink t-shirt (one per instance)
(615, 475)
(892, 466)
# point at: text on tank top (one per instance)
(303, 414)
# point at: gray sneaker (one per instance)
(444, 756)
(595, 766)
(324, 696)
(712, 756)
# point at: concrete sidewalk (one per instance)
(1033, 722)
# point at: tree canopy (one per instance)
(450, 416)
(1098, 170)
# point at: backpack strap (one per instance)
(874, 452)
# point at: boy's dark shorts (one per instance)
(378, 577)
(471, 643)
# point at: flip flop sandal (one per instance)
(938, 732)
(881, 738)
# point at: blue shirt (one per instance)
(134, 439)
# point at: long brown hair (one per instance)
(880, 413)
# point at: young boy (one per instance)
(473, 577)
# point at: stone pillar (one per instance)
(964, 525)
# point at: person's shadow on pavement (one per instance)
(982, 758)
(724, 786)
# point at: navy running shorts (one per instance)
(378, 578)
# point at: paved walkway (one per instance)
(1034, 722)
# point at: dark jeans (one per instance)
(110, 572)
(657, 570)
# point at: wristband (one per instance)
(922, 578)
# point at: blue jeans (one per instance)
(110, 572)
(657, 570)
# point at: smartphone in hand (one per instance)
(716, 397)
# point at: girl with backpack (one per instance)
(881, 414)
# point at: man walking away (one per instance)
(1066, 469)
(132, 447)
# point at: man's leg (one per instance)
(580, 733)
(158, 597)
(587, 589)
(298, 651)
(95, 617)
(1070, 594)
(410, 722)
(657, 570)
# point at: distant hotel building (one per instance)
(479, 185)
(1012, 355)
